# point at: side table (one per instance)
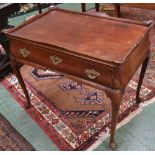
(102, 50)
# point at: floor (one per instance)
(138, 134)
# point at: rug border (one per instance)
(87, 144)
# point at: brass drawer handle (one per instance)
(91, 73)
(55, 59)
(24, 52)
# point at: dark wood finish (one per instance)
(4, 59)
(83, 7)
(116, 98)
(39, 8)
(16, 69)
(5, 69)
(97, 7)
(142, 74)
(6, 9)
(102, 50)
(117, 10)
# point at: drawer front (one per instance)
(61, 62)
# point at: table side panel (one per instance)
(132, 63)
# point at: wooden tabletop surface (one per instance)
(102, 38)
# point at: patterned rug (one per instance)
(73, 115)
(10, 139)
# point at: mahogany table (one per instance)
(103, 50)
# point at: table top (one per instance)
(106, 39)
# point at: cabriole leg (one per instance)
(142, 73)
(16, 70)
(116, 98)
(117, 10)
